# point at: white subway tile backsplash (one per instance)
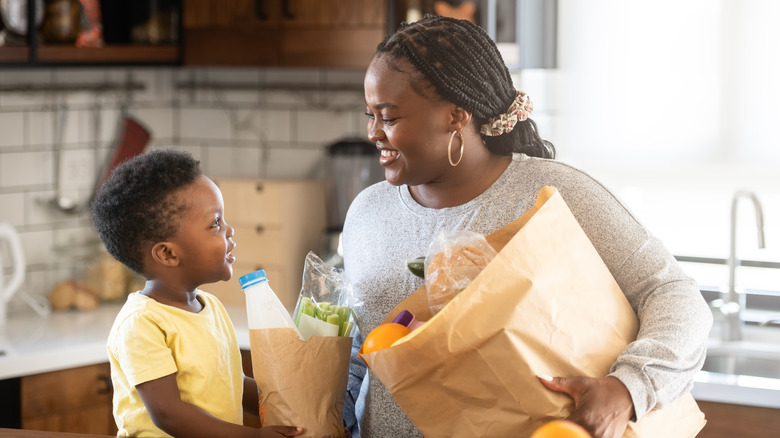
(246, 125)
(246, 162)
(110, 125)
(89, 124)
(80, 240)
(197, 151)
(218, 161)
(19, 169)
(359, 124)
(231, 97)
(39, 126)
(159, 122)
(344, 77)
(204, 123)
(277, 133)
(72, 129)
(293, 163)
(11, 124)
(344, 101)
(37, 207)
(77, 169)
(233, 75)
(285, 98)
(158, 84)
(276, 125)
(38, 246)
(12, 208)
(309, 76)
(80, 76)
(322, 127)
(24, 77)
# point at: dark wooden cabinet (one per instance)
(285, 33)
(75, 400)
(730, 421)
(236, 33)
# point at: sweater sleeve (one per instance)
(674, 320)
(674, 323)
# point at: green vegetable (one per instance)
(336, 315)
(346, 329)
(417, 266)
(344, 313)
(307, 307)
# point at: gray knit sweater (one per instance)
(385, 227)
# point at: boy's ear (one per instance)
(460, 118)
(164, 254)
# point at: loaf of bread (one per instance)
(453, 267)
(70, 294)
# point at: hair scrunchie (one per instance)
(520, 109)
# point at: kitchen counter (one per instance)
(31, 344)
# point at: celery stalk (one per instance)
(346, 329)
(301, 307)
(309, 308)
(344, 313)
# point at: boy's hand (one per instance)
(603, 406)
(279, 431)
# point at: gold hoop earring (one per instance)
(449, 148)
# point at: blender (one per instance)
(352, 165)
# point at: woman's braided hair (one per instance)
(464, 66)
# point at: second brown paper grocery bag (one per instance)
(303, 383)
(546, 304)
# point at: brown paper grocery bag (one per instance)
(302, 383)
(546, 304)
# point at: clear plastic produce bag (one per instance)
(454, 259)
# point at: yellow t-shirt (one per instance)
(150, 340)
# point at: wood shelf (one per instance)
(109, 54)
(14, 54)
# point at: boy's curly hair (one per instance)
(137, 206)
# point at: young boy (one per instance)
(175, 361)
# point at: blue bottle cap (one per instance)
(252, 278)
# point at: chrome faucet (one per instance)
(735, 302)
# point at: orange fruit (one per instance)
(560, 429)
(383, 336)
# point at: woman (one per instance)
(459, 152)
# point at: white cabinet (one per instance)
(276, 224)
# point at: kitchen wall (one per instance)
(673, 105)
(248, 131)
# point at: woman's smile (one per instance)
(387, 156)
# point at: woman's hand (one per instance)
(602, 406)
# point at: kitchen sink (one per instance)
(742, 372)
(744, 361)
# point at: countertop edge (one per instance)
(748, 391)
